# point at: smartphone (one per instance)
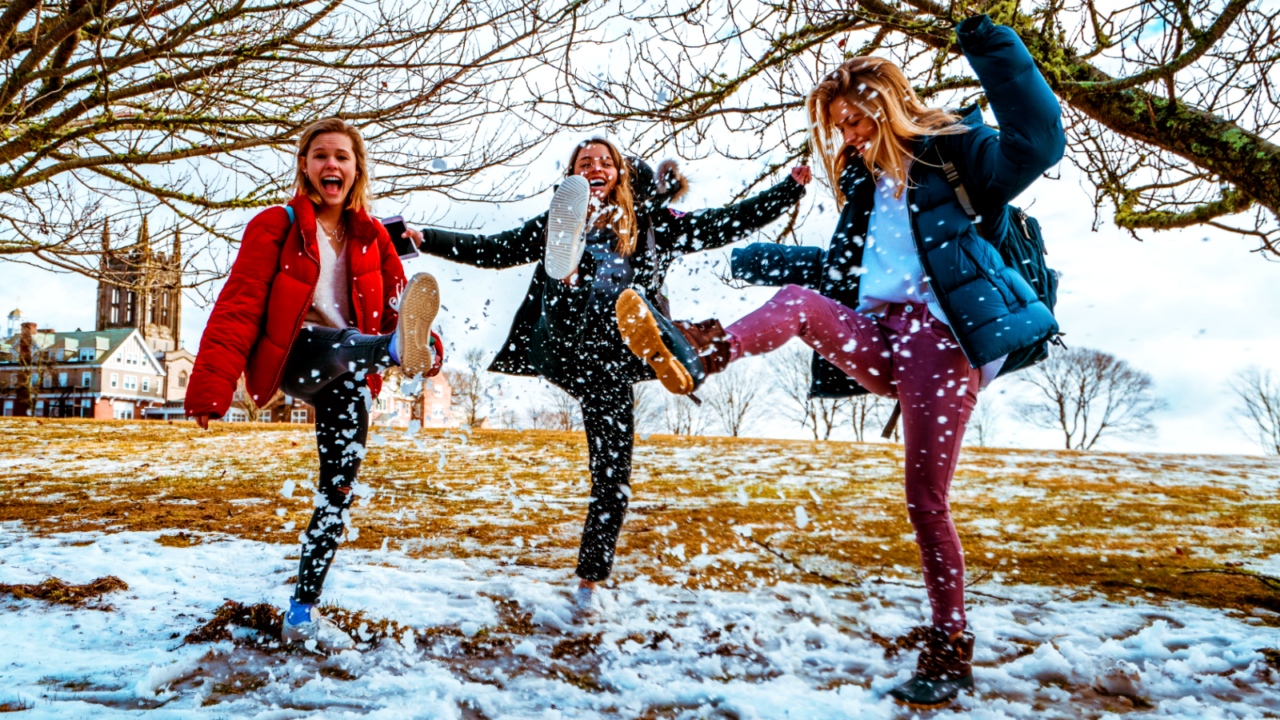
(396, 229)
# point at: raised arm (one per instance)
(518, 246)
(1031, 139)
(708, 229)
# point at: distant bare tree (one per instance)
(561, 411)
(680, 416)
(472, 387)
(649, 398)
(537, 418)
(1258, 406)
(733, 398)
(981, 430)
(1088, 394)
(792, 372)
(867, 413)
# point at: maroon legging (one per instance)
(910, 355)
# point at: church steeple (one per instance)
(142, 290)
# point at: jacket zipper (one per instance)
(943, 302)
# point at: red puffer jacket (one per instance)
(260, 309)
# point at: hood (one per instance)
(654, 190)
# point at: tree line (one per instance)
(1086, 396)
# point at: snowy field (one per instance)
(466, 542)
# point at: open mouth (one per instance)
(331, 183)
(597, 183)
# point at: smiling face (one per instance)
(595, 163)
(330, 165)
(855, 126)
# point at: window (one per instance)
(39, 408)
(437, 390)
(146, 384)
(8, 408)
(182, 379)
(437, 412)
(86, 380)
(62, 380)
(48, 380)
(236, 415)
(87, 355)
(298, 416)
(115, 380)
(130, 382)
(123, 413)
(264, 416)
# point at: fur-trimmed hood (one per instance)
(654, 190)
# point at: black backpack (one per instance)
(1022, 249)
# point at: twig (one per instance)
(1270, 581)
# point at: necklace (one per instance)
(338, 234)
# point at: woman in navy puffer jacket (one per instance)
(910, 301)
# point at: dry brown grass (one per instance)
(1121, 524)
(54, 590)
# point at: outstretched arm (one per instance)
(708, 229)
(514, 247)
(1031, 139)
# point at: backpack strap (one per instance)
(953, 179)
(289, 209)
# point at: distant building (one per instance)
(105, 375)
(141, 289)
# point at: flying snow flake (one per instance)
(802, 517)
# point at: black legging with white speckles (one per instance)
(327, 369)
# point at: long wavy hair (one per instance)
(359, 197)
(879, 89)
(619, 214)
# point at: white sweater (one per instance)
(331, 304)
(892, 272)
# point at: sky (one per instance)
(1189, 307)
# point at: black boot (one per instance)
(943, 670)
(654, 339)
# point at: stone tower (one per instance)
(141, 289)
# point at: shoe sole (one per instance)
(565, 223)
(418, 308)
(640, 332)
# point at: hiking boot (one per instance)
(417, 347)
(318, 634)
(586, 606)
(943, 670)
(565, 224)
(710, 341)
(654, 339)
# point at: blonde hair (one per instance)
(621, 221)
(880, 90)
(359, 197)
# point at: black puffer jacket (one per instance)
(665, 235)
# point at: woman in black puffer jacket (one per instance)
(567, 331)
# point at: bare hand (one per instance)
(801, 174)
(202, 420)
(415, 235)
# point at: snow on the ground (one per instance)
(783, 651)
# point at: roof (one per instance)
(85, 338)
(16, 313)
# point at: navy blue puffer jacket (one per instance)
(992, 309)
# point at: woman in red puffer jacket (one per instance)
(316, 305)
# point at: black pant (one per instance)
(327, 369)
(576, 345)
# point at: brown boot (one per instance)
(944, 669)
(710, 340)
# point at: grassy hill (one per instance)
(703, 509)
